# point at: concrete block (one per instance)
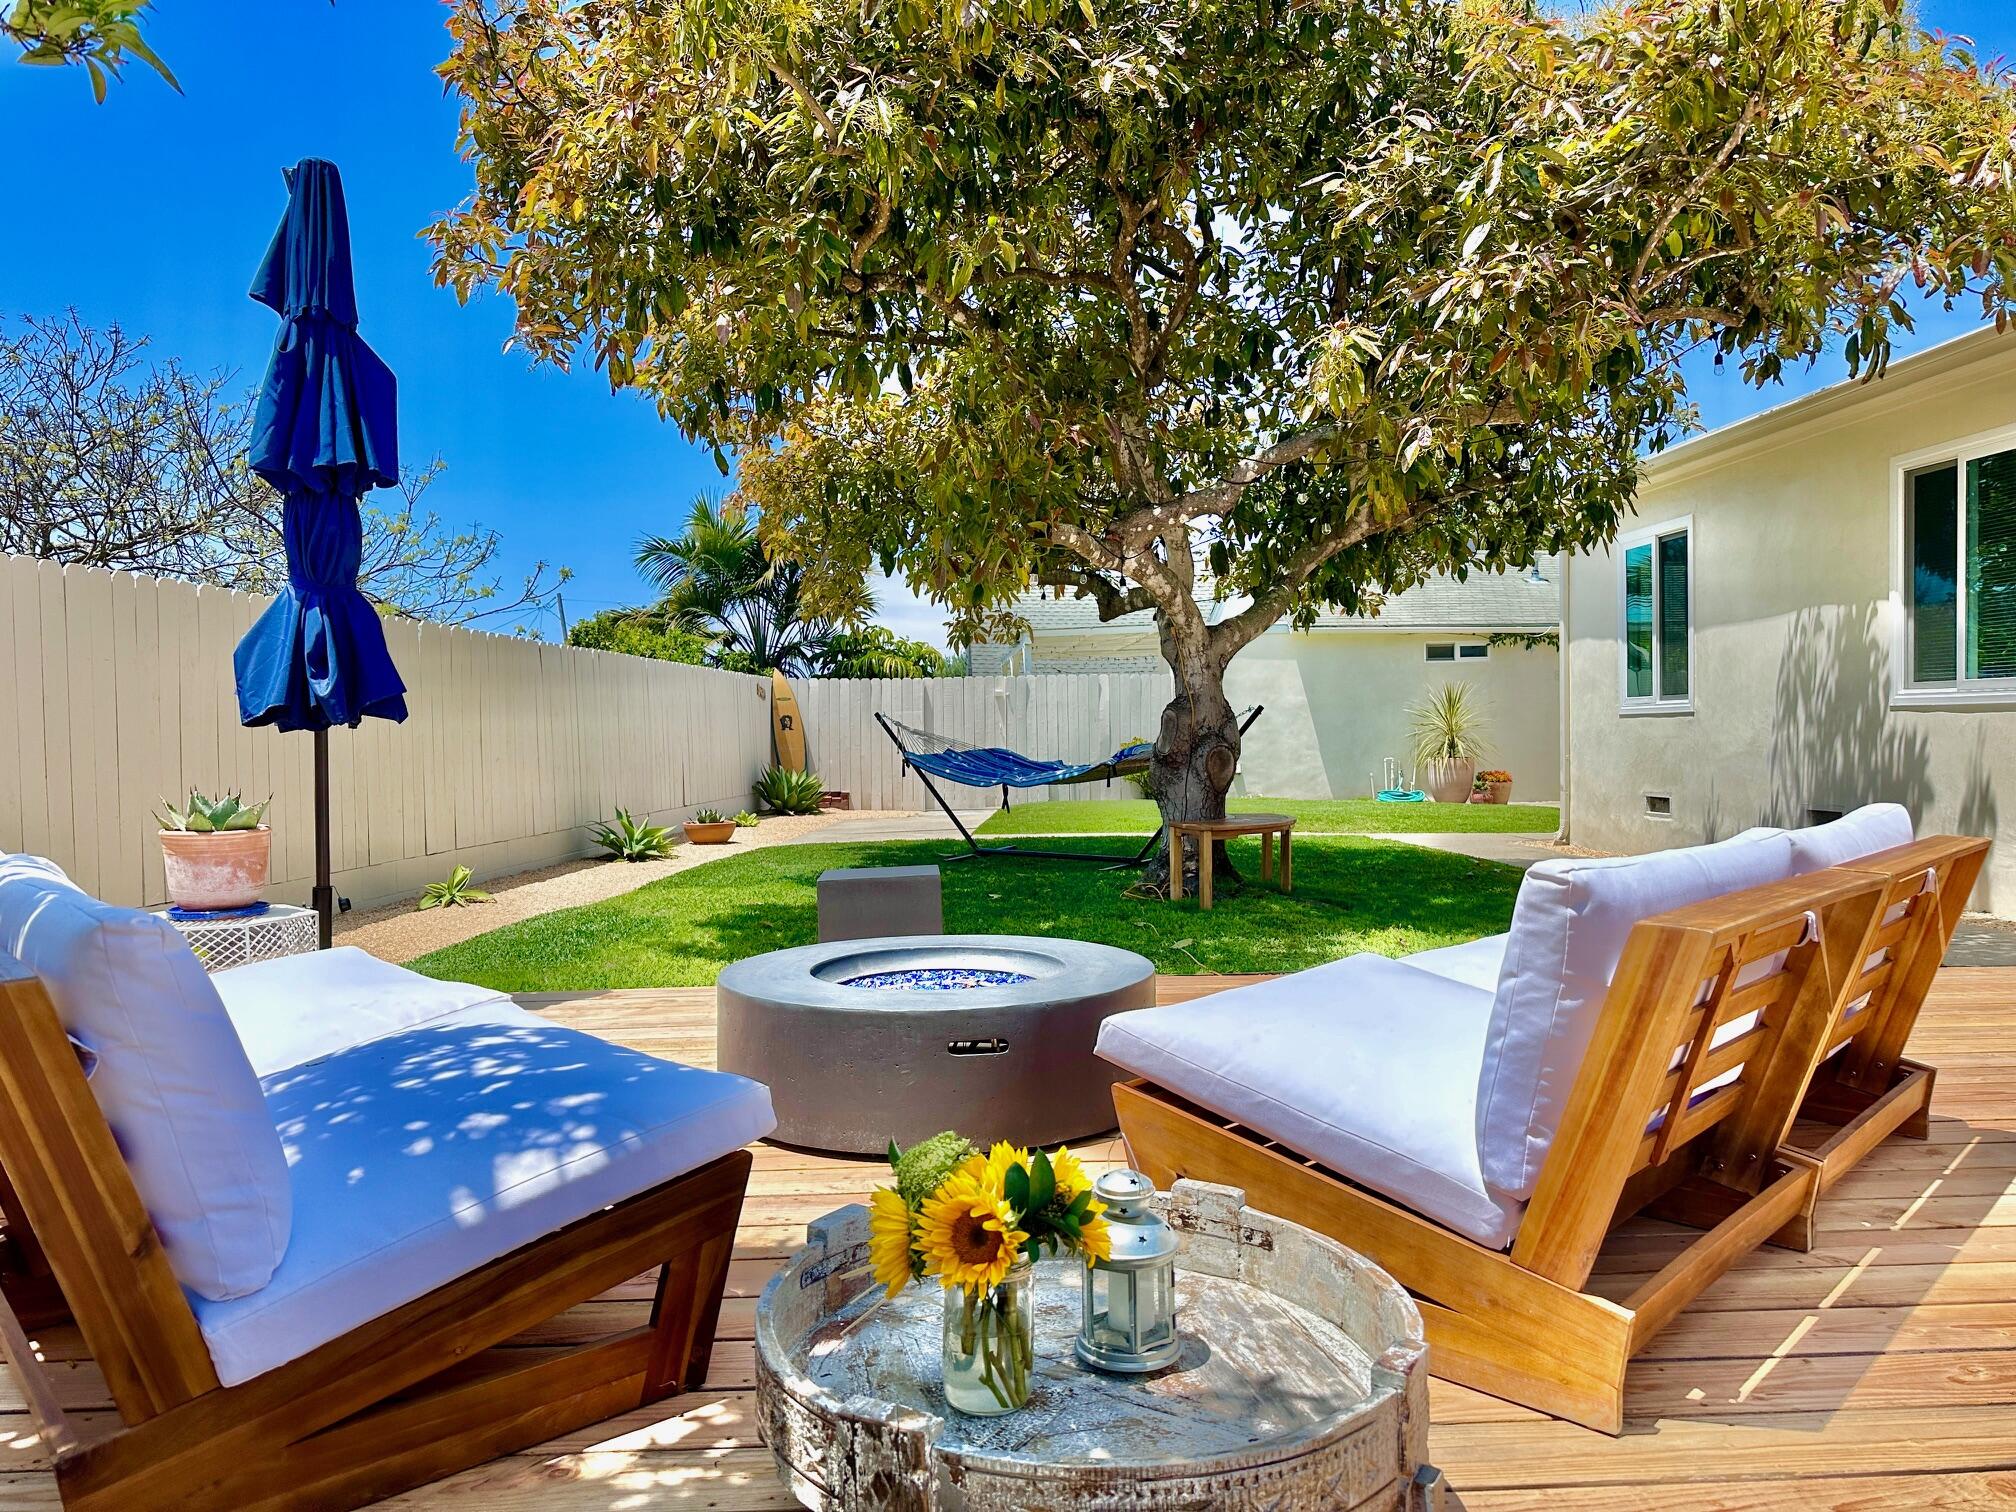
(872, 902)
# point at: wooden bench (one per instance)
(1648, 1126)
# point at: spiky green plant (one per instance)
(204, 816)
(708, 816)
(790, 792)
(746, 820)
(1447, 725)
(631, 839)
(453, 891)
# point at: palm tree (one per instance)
(717, 581)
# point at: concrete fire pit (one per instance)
(864, 1041)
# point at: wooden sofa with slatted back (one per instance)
(1654, 1116)
(415, 1394)
(1866, 1089)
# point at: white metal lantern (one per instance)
(1130, 1299)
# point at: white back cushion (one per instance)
(1872, 828)
(295, 1009)
(1568, 931)
(171, 1077)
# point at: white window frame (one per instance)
(1654, 703)
(1961, 692)
(1473, 651)
(1429, 649)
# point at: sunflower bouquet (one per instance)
(976, 1222)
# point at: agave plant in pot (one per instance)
(216, 853)
(1447, 735)
(710, 827)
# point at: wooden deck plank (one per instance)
(1877, 1370)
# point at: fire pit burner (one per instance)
(936, 979)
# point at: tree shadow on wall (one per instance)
(1834, 744)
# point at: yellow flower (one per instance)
(967, 1233)
(1070, 1172)
(1095, 1237)
(1003, 1158)
(889, 1239)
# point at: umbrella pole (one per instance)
(324, 897)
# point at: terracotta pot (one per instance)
(1449, 781)
(1495, 792)
(227, 869)
(710, 834)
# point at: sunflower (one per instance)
(889, 1239)
(1095, 1238)
(1070, 1172)
(1003, 1158)
(967, 1233)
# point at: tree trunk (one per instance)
(1196, 756)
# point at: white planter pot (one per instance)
(1449, 781)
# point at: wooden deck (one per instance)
(1878, 1371)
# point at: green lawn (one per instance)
(1313, 816)
(1350, 895)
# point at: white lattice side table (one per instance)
(282, 930)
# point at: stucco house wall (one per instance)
(1337, 704)
(1337, 694)
(1795, 631)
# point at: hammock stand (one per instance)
(931, 755)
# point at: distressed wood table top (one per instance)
(1299, 1384)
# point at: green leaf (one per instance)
(1015, 1186)
(1042, 1181)
(895, 1154)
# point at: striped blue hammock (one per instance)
(997, 766)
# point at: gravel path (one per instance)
(401, 932)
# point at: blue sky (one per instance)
(153, 209)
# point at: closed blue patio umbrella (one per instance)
(325, 431)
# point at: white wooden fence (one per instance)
(117, 690)
(1061, 717)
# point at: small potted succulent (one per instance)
(710, 827)
(216, 854)
(1493, 787)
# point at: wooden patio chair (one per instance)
(1867, 1090)
(415, 1394)
(1653, 1117)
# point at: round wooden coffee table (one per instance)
(1302, 1384)
(1208, 832)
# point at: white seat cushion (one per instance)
(1875, 827)
(1367, 1065)
(300, 1008)
(419, 1156)
(170, 1076)
(1568, 931)
(1474, 963)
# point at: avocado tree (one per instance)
(1303, 299)
(98, 35)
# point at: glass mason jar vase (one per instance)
(989, 1349)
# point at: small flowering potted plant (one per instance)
(1493, 787)
(977, 1223)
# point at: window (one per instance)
(1958, 583)
(1475, 652)
(1441, 652)
(1658, 619)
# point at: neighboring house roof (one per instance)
(1485, 601)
